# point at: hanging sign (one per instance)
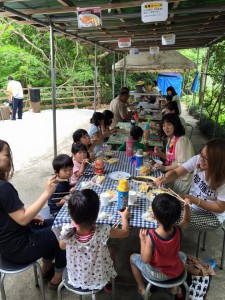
(154, 11)
(168, 39)
(124, 42)
(154, 50)
(134, 51)
(89, 17)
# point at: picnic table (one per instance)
(123, 132)
(136, 211)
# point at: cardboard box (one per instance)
(4, 112)
(36, 106)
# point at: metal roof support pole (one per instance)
(53, 76)
(204, 84)
(124, 71)
(194, 94)
(219, 106)
(95, 78)
(113, 77)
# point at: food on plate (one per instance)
(141, 179)
(112, 193)
(112, 161)
(145, 170)
(109, 154)
(143, 187)
(148, 217)
(152, 161)
(151, 195)
(145, 154)
(100, 178)
(104, 216)
(90, 20)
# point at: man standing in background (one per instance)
(15, 92)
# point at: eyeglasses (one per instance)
(205, 159)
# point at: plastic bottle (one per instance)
(132, 122)
(136, 117)
(129, 146)
(139, 158)
(123, 189)
(146, 132)
(149, 119)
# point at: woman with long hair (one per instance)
(25, 237)
(207, 192)
(178, 150)
(171, 92)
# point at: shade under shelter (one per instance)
(164, 61)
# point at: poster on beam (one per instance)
(154, 11)
(154, 50)
(134, 51)
(168, 39)
(124, 42)
(89, 17)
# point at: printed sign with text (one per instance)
(89, 17)
(154, 11)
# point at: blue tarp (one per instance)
(167, 79)
(195, 84)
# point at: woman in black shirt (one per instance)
(20, 241)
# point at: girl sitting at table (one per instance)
(89, 265)
(97, 130)
(178, 150)
(136, 133)
(160, 257)
(80, 157)
(81, 136)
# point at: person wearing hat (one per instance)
(139, 88)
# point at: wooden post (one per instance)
(29, 86)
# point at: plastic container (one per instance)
(123, 189)
(129, 146)
(146, 132)
(149, 119)
(139, 158)
(132, 122)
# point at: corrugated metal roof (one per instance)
(198, 23)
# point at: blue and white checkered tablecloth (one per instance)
(136, 211)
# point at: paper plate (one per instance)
(156, 191)
(118, 175)
(157, 161)
(136, 179)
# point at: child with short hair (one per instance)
(63, 169)
(89, 265)
(160, 258)
(80, 158)
(136, 133)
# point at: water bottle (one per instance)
(139, 158)
(129, 146)
(123, 189)
(146, 132)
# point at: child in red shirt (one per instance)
(160, 258)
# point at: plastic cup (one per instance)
(104, 199)
(132, 197)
